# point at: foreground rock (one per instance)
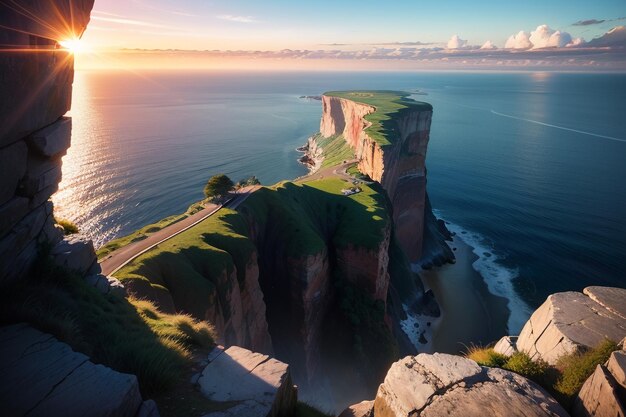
(40, 376)
(249, 384)
(604, 392)
(448, 385)
(570, 322)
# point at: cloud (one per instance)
(519, 41)
(238, 19)
(545, 37)
(488, 46)
(456, 42)
(588, 22)
(124, 21)
(615, 37)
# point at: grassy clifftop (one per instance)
(388, 104)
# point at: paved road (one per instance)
(333, 171)
(122, 256)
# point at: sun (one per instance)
(74, 45)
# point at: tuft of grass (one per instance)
(576, 368)
(522, 364)
(486, 356)
(69, 228)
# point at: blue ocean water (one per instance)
(529, 168)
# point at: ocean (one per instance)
(527, 168)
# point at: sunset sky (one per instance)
(351, 30)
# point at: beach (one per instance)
(470, 314)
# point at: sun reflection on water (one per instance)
(83, 193)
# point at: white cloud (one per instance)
(456, 42)
(238, 19)
(575, 42)
(488, 45)
(519, 41)
(545, 37)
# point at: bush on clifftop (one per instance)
(218, 187)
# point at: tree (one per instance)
(218, 186)
(253, 180)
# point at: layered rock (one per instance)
(604, 392)
(399, 166)
(570, 322)
(440, 384)
(37, 77)
(41, 376)
(248, 384)
(234, 307)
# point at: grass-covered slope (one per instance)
(388, 105)
(128, 335)
(193, 267)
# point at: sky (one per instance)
(339, 30)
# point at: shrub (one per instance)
(218, 186)
(486, 356)
(576, 368)
(69, 228)
(253, 180)
(521, 363)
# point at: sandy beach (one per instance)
(470, 313)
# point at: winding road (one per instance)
(119, 258)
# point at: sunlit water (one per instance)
(529, 169)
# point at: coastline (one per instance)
(470, 314)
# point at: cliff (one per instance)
(389, 135)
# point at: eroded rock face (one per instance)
(604, 392)
(44, 377)
(440, 384)
(36, 87)
(399, 167)
(248, 383)
(569, 322)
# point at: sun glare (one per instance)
(73, 45)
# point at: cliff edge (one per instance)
(389, 133)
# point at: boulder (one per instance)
(41, 376)
(617, 367)
(75, 252)
(506, 345)
(53, 140)
(248, 383)
(571, 322)
(41, 174)
(598, 397)
(362, 409)
(106, 285)
(441, 384)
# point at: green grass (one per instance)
(146, 231)
(563, 381)
(127, 335)
(306, 216)
(194, 266)
(335, 150)
(575, 369)
(69, 228)
(389, 105)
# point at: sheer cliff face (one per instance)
(36, 90)
(399, 167)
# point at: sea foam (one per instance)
(499, 278)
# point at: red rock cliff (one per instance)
(399, 166)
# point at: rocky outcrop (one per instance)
(399, 166)
(604, 392)
(570, 322)
(40, 376)
(37, 77)
(248, 384)
(447, 385)
(229, 299)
